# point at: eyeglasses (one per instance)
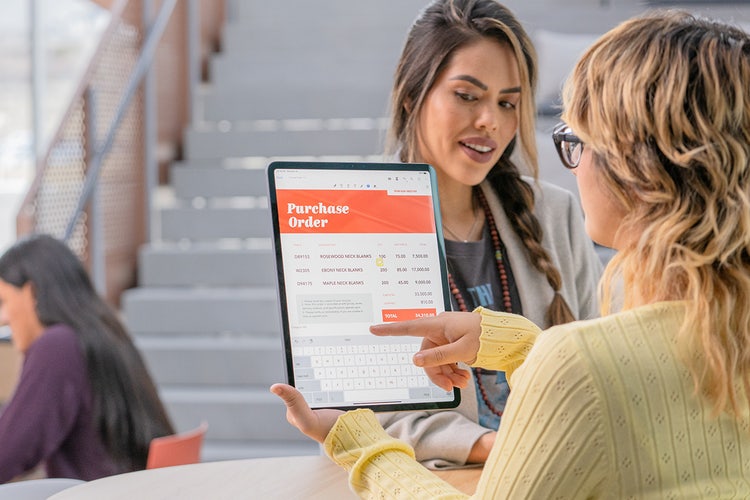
(568, 145)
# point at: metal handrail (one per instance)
(97, 175)
(41, 161)
(141, 67)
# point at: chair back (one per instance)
(177, 449)
(36, 489)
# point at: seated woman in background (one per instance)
(84, 406)
(652, 401)
(462, 98)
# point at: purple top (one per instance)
(49, 417)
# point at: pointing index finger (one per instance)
(422, 327)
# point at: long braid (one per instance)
(518, 202)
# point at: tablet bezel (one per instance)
(280, 281)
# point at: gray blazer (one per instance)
(443, 439)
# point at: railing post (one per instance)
(96, 245)
(36, 40)
(194, 57)
(95, 238)
(151, 173)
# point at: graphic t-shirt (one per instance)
(474, 269)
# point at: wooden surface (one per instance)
(305, 477)
(10, 366)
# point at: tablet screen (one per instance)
(357, 244)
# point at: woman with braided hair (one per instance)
(462, 99)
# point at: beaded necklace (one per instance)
(507, 304)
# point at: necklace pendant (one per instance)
(471, 229)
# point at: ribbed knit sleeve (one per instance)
(380, 466)
(505, 341)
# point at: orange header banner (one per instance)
(347, 211)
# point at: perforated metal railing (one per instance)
(59, 183)
(89, 187)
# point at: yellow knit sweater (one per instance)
(601, 409)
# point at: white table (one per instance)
(303, 477)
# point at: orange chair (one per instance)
(177, 449)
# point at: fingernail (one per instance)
(419, 359)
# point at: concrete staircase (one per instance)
(293, 80)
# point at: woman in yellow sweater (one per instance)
(652, 401)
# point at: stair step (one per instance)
(368, 33)
(320, 70)
(205, 265)
(202, 311)
(190, 182)
(208, 144)
(201, 224)
(292, 99)
(261, 162)
(299, 13)
(228, 361)
(244, 414)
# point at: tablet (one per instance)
(357, 244)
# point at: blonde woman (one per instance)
(652, 401)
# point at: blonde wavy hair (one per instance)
(663, 102)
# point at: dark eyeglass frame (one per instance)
(566, 142)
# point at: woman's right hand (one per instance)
(448, 338)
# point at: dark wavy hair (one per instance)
(127, 410)
(444, 27)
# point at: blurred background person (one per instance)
(84, 406)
